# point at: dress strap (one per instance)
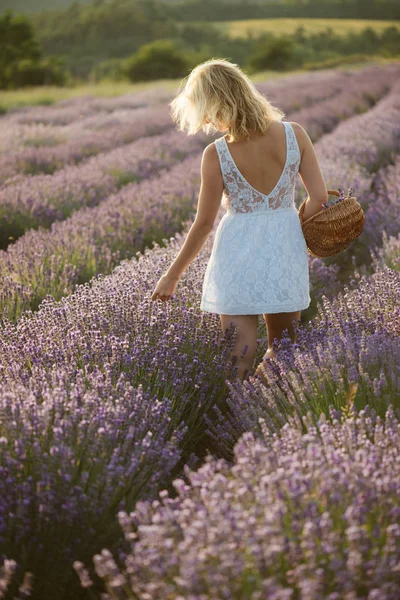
(220, 146)
(293, 150)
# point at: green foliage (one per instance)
(21, 62)
(17, 39)
(27, 6)
(88, 35)
(223, 10)
(17, 42)
(275, 54)
(211, 10)
(390, 41)
(325, 48)
(49, 71)
(113, 69)
(95, 40)
(161, 59)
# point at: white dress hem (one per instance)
(271, 309)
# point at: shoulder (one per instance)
(297, 127)
(300, 132)
(210, 151)
(301, 135)
(210, 160)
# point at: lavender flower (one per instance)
(297, 513)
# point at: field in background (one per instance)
(289, 26)
(47, 95)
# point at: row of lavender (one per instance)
(45, 199)
(370, 155)
(91, 416)
(49, 148)
(40, 200)
(322, 523)
(85, 434)
(94, 240)
(297, 516)
(73, 109)
(31, 145)
(68, 120)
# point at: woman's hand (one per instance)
(311, 209)
(165, 287)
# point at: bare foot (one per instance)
(261, 374)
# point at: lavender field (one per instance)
(133, 465)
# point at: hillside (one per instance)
(92, 38)
(27, 6)
(255, 27)
(204, 9)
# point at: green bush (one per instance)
(21, 60)
(276, 54)
(17, 43)
(49, 71)
(390, 42)
(113, 69)
(161, 59)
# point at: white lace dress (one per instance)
(259, 260)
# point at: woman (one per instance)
(258, 264)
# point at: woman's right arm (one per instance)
(310, 173)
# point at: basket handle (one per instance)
(331, 193)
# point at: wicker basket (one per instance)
(332, 229)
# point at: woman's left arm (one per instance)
(211, 189)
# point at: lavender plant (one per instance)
(358, 147)
(53, 148)
(156, 119)
(354, 96)
(89, 446)
(81, 436)
(94, 240)
(73, 109)
(41, 145)
(111, 331)
(342, 352)
(309, 514)
(388, 255)
(42, 200)
(383, 215)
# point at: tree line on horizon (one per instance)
(210, 10)
(137, 40)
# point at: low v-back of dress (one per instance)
(259, 260)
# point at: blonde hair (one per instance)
(220, 92)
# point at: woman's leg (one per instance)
(276, 323)
(246, 335)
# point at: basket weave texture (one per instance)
(332, 229)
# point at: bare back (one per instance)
(262, 159)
